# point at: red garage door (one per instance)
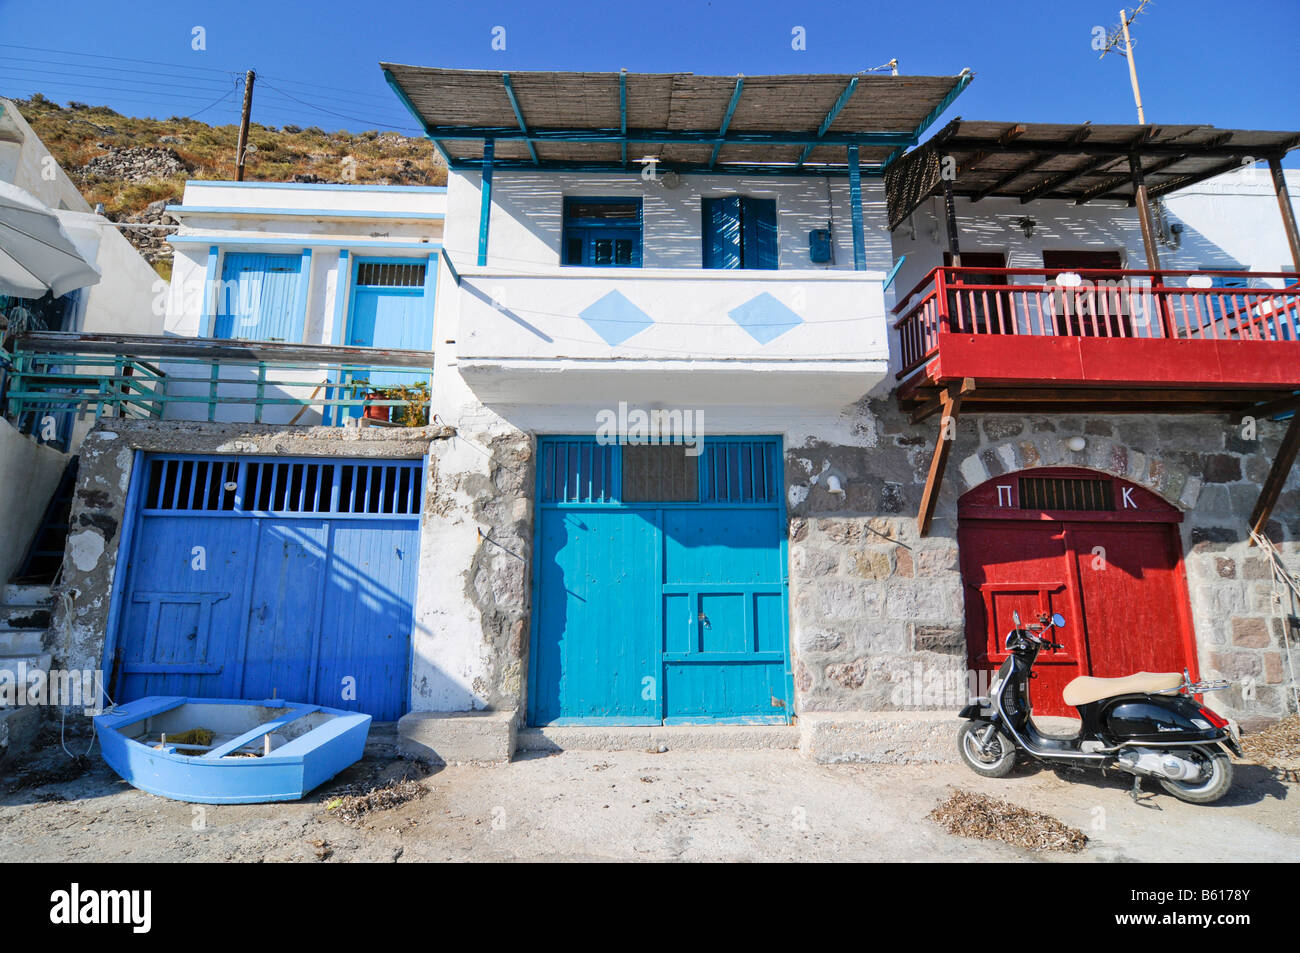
(1103, 552)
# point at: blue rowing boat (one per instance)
(229, 751)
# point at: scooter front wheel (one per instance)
(992, 758)
(1216, 778)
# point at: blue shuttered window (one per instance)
(602, 232)
(258, 298)
(739, 232)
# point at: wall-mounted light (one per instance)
(1076, 443)
(833, 485)
(1027, 225)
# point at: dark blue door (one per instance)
(256, 578)
(660, 591)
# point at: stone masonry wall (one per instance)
(877, 611)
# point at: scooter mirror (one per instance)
(1058, 620)
(1015, 618)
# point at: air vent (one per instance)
(1064, 493)
(284, 487)
(375, 274)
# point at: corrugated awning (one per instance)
(788, 124)
(1070, 161)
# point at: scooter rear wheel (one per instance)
(1214, 785)
(992, 760)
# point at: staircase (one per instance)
(24, 621)
(44, 556)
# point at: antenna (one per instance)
(1113, 45)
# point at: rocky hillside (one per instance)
(136, 167)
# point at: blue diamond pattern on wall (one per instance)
(615, 318)
(765, 318)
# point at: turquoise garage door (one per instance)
(660, 585)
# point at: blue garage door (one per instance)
(660, 585)
(260, 577)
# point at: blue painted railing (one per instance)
(137, 376)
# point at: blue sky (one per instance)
(1199, 61)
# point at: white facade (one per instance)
(328, 228)
(128, 298)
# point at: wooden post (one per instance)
(1149, 239)
(1277, 474)
(950, 213)
(950, 399)
(1132, 67)
(1288, 212)
(1144, 211)
(242, 146)
(855, 206)
(485, 197)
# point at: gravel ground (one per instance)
(705, 806)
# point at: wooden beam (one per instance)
(1288, 212)
(1271, 409)
(951, 399)
(950, 215)
(1276, 479)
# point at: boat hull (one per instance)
(290, 771)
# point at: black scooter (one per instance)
(1147, 724)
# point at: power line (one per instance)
(328, 111)
(101, 80)
(139, 96)
(112, 69)
(122, 59)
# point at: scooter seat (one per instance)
(1085, 689)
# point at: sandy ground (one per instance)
(695, 806)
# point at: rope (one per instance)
(1281, 577)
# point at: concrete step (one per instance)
(16, 594)
(659, 737)
(18, 729)
(24, 617)
(21, 642)
(15, 664)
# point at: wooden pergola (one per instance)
(1083, 163)
(845, 125)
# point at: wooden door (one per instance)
(1104, 553)
(981, 312)
(1098, 309)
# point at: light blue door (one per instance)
(257, 578)
(390, 310)
(258, 298)
(660, 589)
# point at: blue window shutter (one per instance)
(760, 246)
(721, 231)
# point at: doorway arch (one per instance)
(1102, 551)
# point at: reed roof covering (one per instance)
(613, 121)
(1077, 162)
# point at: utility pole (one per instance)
(242, 146)
(1112, 44)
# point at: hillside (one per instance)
(136, 167)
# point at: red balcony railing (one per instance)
(1114, 304)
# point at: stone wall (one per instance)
(877, 611)
(473, 609)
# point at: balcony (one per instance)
(814, 338)
(70, 378)
(1129, 340)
